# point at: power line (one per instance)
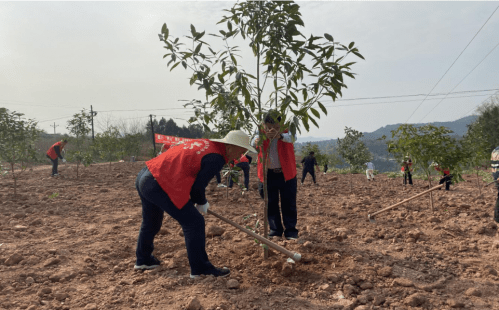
(479, 104)
(416, 95)
(452, 64)
(460, 81)
(370, 103)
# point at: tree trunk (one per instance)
(14, 177)
(478, 183)
(266, 200)
(351, 177)
(227, 184)
(431, 193)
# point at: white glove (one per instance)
(203, 209)
(64, 160)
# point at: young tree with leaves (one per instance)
(79, 128)
(109, 144)
(477, 148)
(281, 54)
(353, 150)
(428, 144)
(17, 138)
(488, 120)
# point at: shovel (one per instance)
(371, 216)
(295, 256)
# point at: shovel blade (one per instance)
(371, 218)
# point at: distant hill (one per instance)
(458, 127)
(382, 159)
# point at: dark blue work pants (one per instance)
(154, 202)
(276, 185)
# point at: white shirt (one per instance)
(274, 161)
(370, 165)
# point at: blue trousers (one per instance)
(154, 202)
(55, 163)
(277, 185)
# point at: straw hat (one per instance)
(237, 137)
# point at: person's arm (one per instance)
(211, 164)
(250, 159)
(57, 150)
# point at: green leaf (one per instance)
(358, 55)
(184, 64)
(199, 36)
(351, 45)
(193, 30)
(323, 108)
(173, 67)
(315, 112)
(198, 48)
(328, 37)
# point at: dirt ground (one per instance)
(68, 243)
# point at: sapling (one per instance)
(281, 54)
(79, 127)
(17, 138)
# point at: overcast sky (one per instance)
(59, 57)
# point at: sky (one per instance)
(57, 58)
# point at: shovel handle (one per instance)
(406, 200)
(295, 256)
(490, 183)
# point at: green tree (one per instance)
(281, 52)
(427, 144)
(488, 120)
(476, 147)
(17, 139)
(79, 128)
(333, 157)
(130, 145)
(353, 150)
(321, 158)
(109, 144)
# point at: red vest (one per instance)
(287, 158)
(51, 152)
(243, 159)
(176, 170)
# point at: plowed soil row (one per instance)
(68, 243)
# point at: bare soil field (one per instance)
(68, 243)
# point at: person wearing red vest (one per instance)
(445, 178)
(243, 163)
(54, 153)
(281, 177)
(175, 182)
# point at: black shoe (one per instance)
(292, 238)
(217, 272)
(150, 263)
(275, 234)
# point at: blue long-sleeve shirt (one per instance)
(211, 164)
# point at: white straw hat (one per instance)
(237, 137)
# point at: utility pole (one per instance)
(152, 133)
(54, 127)
(92, 114)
